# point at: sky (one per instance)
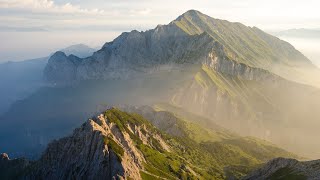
(35, 28)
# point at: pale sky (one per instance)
(33, 28)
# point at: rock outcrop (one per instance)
(282, 168)
(163, 120)
(100, 148)
(97, 149)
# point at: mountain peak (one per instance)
(80, 50)
(59, 55)
(190, 14)
(171, 44)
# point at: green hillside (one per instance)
(263, 108)
(198, 152)
(242, 43)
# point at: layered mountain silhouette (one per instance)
(226, 73)
(20, 79)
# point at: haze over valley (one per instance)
(192, 97)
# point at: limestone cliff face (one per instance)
(87, 154)
(282, 168)
(218, 60)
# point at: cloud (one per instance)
(145, 14)
(145, 11)
(46, 6)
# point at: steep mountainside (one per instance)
(260, 105)
(269, 108)
(243, 44)
(117, 144)
(192, 38)
(282, 168)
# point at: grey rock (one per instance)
(85, 155)
(4, 157)
(61, 68)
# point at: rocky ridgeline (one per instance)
(99, 148)
(87, 154)
(169, 46)
(125, 145)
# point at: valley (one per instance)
(198, 98)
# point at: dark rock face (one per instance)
(12, 169)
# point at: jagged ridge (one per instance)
(117, 144)
(191, 38)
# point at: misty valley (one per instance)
(197, 98)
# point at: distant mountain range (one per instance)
(20, 79)
(21, 29)
(79, 50)
(205, 70)
(299, 33)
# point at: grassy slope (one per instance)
(279, 106)
(252, 46)
(244, 44)
(208, 153)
